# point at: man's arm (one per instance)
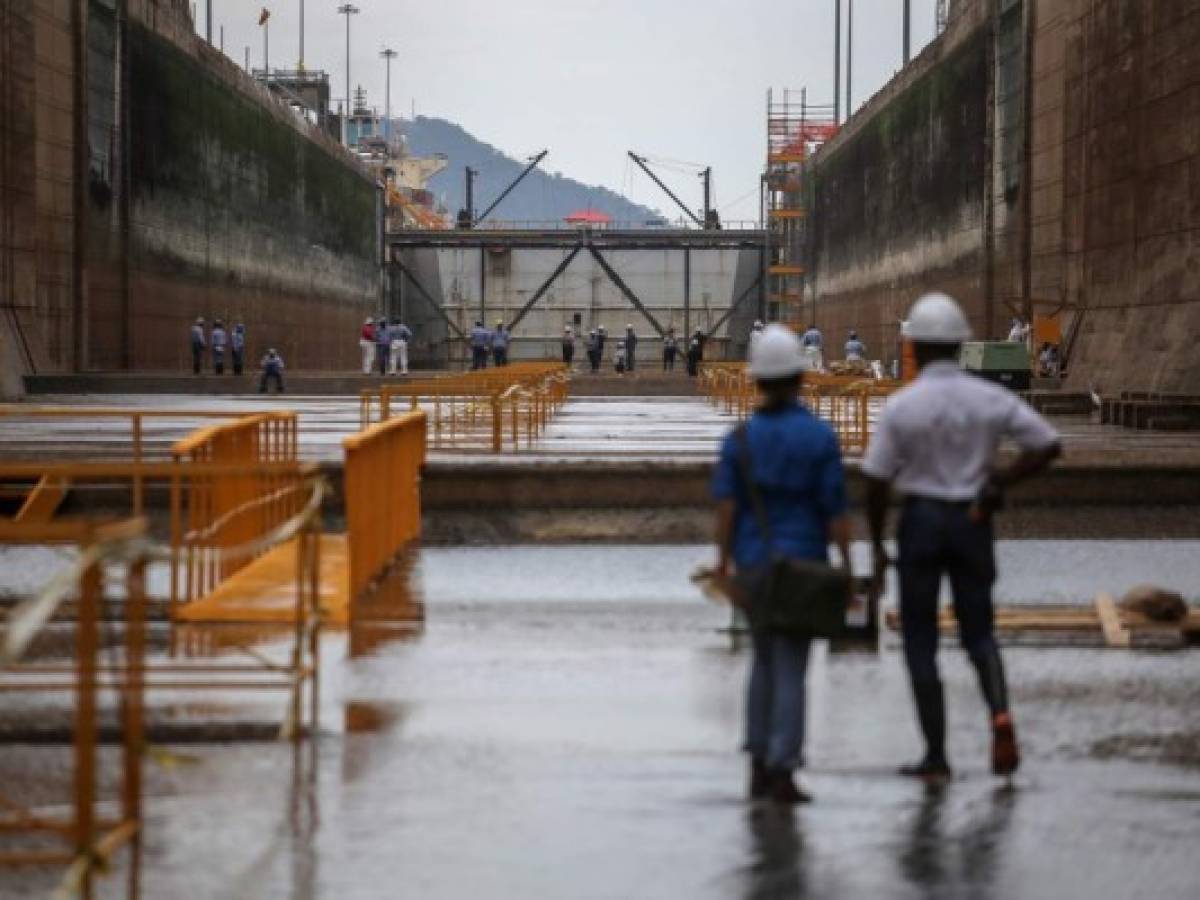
(839, 536)
(1026, 465)
(724, 535)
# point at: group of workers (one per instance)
(386, 344)
(219, 340)
(936, 443)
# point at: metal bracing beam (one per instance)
(421, 289)
(641, 161)
(545, 286)
(733, 307)
(533, 164)
(625, 289)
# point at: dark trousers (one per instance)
(629, 364)
(500, 356)
(939, 539)
(479, 357)
(668, 360)
(219, 360)
(383, 353)
(568, 353)
(239, 361)
(267, 377)
(197, 358)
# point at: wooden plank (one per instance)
(1115, 633)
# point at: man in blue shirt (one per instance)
(198, 344)
(220, 338)
(383, 345)
(481, 343)
(796, 466)
(500, 344)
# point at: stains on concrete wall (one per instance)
(899, 202)
(1042, 155)
(203, 197)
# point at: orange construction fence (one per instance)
(382, 495)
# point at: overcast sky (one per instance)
(675, 79)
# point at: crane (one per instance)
(711, 221)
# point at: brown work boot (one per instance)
(1005, 755)
(759, 779)
(781, 788)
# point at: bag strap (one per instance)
(746, 464)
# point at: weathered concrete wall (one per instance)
(36, 189)
(1075, 166)
(203, 197)
(898, 201)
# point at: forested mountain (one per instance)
(543, 196)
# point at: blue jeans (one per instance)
(775, 701)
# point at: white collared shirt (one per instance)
(938, 437)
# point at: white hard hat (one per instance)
(937, 319)
(758, 325)
(777, 354)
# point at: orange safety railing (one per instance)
(848, 403)
(382, 495)
(487, 410)
(92, 835)
(210, 515)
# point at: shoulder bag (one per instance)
(796, 596)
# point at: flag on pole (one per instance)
(263, 16)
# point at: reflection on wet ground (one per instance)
(564, 723)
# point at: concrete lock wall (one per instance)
(1089, 211)
(203, 197)
(584, 297)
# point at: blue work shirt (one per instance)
(499, 339)
(481, 338)
(797, 465)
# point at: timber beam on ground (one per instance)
(601, 239)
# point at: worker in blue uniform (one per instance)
(936, 442)
(481, 344)
(796, 464)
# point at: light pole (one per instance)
(388, 55)
(300, 67)
(348, 10)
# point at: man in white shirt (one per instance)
(936, 441)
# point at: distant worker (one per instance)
(602, 335)
(631, 340)
(568, 346)
(620, 360)
(237, 343)
(1018, 332)
(220, 341)
(936, 440)
(383, 345)
(695, 354)
(814, 345)
(366, 342)
(198, 344)
(670, 350)
(856, 350)
(272, 370)
(500, 341)
(781, 494)
(400, 335)
(593, 350)
(481, 343)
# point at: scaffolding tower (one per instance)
(795, 129)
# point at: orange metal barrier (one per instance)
(484, 410)
(846, 402)
(382, 495)
(219, 513)
(137, 444)
(94, 838)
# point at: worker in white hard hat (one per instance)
(568, 345)
(936, 441)
(814, 346)
(199, 342)
(783, 468)
(856, 350)
(756, 331)
(366, 343)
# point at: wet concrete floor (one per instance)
(565, 725)
(687, 428)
